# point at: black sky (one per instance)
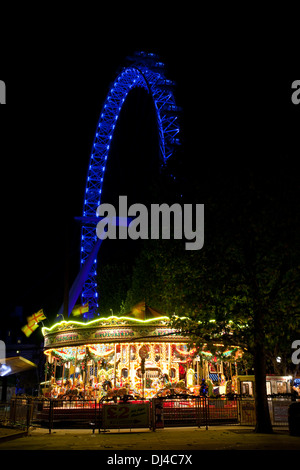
(237, 117)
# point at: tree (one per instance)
(113, 283)
(242, 288)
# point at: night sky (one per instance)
(237, 117)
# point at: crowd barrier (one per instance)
(17, 414)
(156, 413)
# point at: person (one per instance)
(295, 393)
(203, 388)
(107, 385)
(164, 379)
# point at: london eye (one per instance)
(143, 70)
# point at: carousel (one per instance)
(136, 355)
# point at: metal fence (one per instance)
(222, 410)
(278, 408)
(57, 413)
(178, 412)
(16, 414)
(246, 411)
(195, 411)
(163, 412)
(4, 414)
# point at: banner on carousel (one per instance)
(111, 334)
(61, 338)
(136, 333)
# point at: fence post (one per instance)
(100, 414)
(12, 410)
(50, 415)
(94, 424)
(29, 413)
(198, 408)
(153, 414)
(206, 402)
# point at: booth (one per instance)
(276, 385)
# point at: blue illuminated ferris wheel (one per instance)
(146, 71)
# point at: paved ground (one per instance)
(6, 434)
(173, 439)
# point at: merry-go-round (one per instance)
(138, 355)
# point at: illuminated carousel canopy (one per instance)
(142, 323)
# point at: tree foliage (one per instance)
(114, 280)
(248, 267)
(243, 287)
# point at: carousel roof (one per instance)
(139, 314)
(139, 323)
